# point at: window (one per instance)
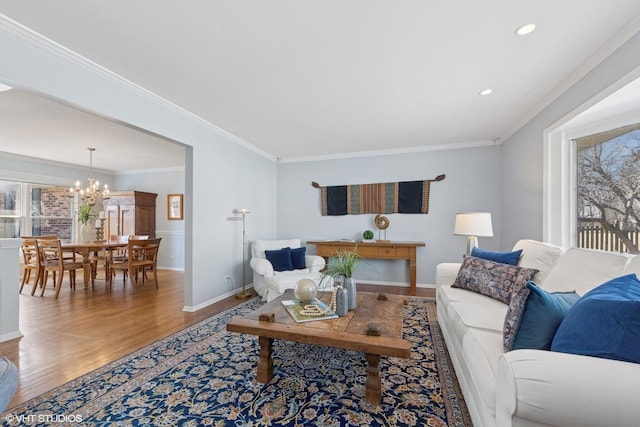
(10, 209)
(49, 210)
(608, 190)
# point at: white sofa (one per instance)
(268, 283)
(537, 387)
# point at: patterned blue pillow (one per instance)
(605, 322)
(503, 257)
(280, 259)
(493, 279)
(533, 317)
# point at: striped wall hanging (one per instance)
(411, 197)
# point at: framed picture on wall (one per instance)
(174, 206)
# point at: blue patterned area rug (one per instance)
(204, 375)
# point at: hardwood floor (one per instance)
(80, 332)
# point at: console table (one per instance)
(375, 250)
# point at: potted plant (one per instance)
(85, 216)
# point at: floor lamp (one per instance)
(243, 212)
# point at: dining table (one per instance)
(86, 249)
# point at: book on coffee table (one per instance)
(302, 312)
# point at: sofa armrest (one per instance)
(446, 273)
(261, 266)
(314, 262)
(549, 388)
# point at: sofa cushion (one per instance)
(298, 258)
(446, 294)
(539, 255)
(280, 259)
(633, 266)
(581, 270)
(488, 316)
(533, 317)
(511, 258)
(605, 322)
(481, 351)
(490, 278)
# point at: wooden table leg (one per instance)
(373, 386)
(412, 271)
(86, 268)
(265, 364)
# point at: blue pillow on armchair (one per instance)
(280, 259)
(298, 260)
(510, 258)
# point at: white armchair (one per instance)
(270, 283)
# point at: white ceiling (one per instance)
(299, 79)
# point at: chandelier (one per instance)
(92, 193)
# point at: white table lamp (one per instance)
(473, 225)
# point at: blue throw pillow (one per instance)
(605, 322)
(280, 259)
(510, 258)
(298, 258)
(533, 317)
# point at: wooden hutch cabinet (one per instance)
(130, 212)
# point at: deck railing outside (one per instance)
(597, 237)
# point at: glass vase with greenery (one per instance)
(85, 215)
(341, 267)
(343, 263)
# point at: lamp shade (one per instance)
(473, 224)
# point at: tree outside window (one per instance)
(608, 190)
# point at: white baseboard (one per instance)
(399, 284)
(11, 336)
(214, 300)
(171, 268)
(192, 309)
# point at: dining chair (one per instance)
(103, 257)
(142, 254)
(32, 261)
(99, 257)
(119, 254)
(53, 259)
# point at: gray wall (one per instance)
(161, 182)
(522, 153)
(472, 183)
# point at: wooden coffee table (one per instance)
(349, 332)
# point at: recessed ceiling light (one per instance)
(486, 92)
(525, 29)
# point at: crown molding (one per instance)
(614, 43)
(53, 48)
(150, 171)
(84, 169)
(392, 151)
